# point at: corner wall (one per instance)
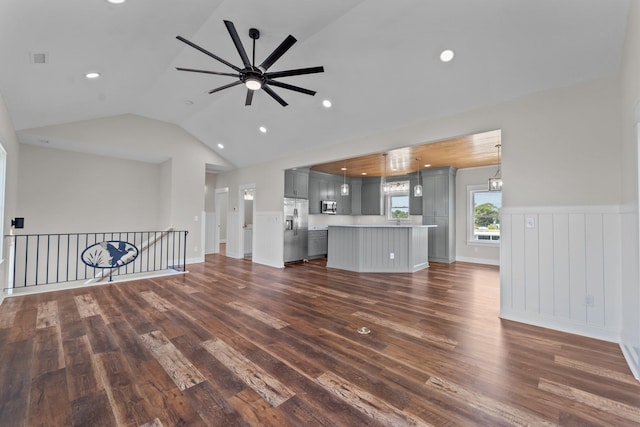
(9, 141)
(630, 113)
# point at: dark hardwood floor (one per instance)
(233, 343)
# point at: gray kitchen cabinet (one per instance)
(372, 203)
(296, 183)
(415, 203)
(436, 189)
(314, 193)
(438, 208)
(317, 243)
(439, 239)
(355, 190)
(344, 202)
(324, 186)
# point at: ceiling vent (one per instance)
(39, 58)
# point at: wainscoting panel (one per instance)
(234, 235)
(268, 230)
(561, 268)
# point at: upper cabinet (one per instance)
(372, 202)
(415, 203)
(323, 186)
(438, 185)
(296, 183)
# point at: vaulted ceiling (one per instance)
(381, 60)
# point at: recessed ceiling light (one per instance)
(427, 165)
(92, 75)
(116, 1)
(220, 146)
(446, 55)
(263, 129)
(326, 103)
(363, 173)
(343, 169)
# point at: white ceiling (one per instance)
(380, 57)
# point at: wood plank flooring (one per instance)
(232, 343)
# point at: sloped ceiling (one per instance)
(381, 63)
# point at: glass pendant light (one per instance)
(417, 189)
(495, 183)
(344, 188)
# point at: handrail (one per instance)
(101, 276)
(38, 259)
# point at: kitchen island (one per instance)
(379, 248)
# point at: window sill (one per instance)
(488, 243)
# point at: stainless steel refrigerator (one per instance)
(296, 229)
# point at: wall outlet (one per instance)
(530, 222)
(589, 301)
(392, 255)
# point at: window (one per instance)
(398, 200)
(484, 215)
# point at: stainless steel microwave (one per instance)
(328, 207)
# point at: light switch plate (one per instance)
(530, 222)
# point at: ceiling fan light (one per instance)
(253, 84)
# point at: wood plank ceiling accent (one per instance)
(462, 152)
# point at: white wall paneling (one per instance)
(234, 236)
(561, 268)
(268, 238)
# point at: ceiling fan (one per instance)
(255, 78)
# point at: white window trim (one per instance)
(398, 193)
(470, 218)
(3, 179)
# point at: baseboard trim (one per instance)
(632, 356)
(562, 325)
(479, 260)
(268, 263)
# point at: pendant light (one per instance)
(344, 188)
(417, 189)
(495, 183)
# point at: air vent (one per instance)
(39, 58)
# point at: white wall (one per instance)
(10, 143)
(210, 192)
(630, 113)
(483, 254)
(132, 136)
(66, 192)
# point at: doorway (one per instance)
(221, 202)
(247, 208)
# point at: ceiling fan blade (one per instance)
(291, 87)
(236, 41)
(296, 72)
(278, 52)
(206, 52)
(208, 72)
(249, 97)
(225, 87)
(274, 95)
